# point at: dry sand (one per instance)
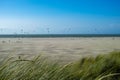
(64, 49)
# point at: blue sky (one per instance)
(60, 16)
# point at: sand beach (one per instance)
(64, 49)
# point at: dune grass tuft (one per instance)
(101, 67)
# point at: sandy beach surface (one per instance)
(64, 49)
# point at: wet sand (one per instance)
(64, 49)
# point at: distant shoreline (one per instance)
(56, 35)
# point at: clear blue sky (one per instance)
(60, 16)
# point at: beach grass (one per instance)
(101, 67)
